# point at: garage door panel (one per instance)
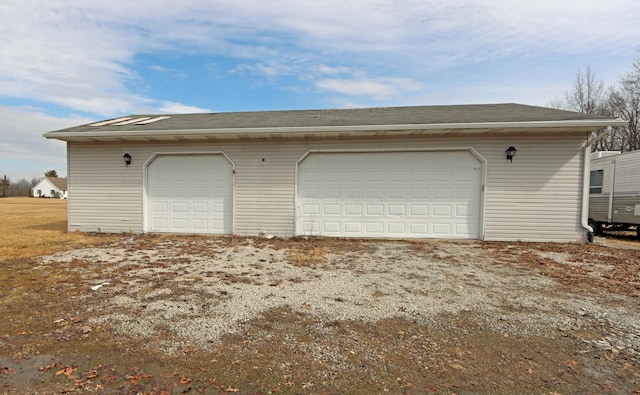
(332, 209)
(419, 210)
(399, 210)
(353, 227)
(444, 176)
(200, 224)
(332, 176)
(395, 193)
(441, 193)
(331, 227)
(190, 194)
(440, 210)
(375, 193)
(352, 209)
(179, 192)
(200, 207)
(465, 193)
(396, 228)
(420, 229)
(375, 177)
(179, 223)
(160, 207)
(440, 229)
(311, 209)
(373, 228)
(419, 193)
(400, 194)
(375, 210)
(463, 210)
(353, 193)
(160, 223)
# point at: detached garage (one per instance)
(403, 172)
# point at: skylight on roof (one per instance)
(152, 120)
(110, 121)
(130, 121)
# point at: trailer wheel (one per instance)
(597, 229)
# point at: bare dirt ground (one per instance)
(167, 314)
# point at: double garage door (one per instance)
(190, 194)
(398, 194)
(356, 194)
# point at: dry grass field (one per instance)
(498, 318)
(33, 227)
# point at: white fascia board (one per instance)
(479, 127)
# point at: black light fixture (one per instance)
(127, 159)
(511, 152)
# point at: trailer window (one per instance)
(595, 181)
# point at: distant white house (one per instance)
(51, 187)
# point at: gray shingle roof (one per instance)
(337, 118)
(60, 183)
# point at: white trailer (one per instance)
(614, 191)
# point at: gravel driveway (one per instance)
(191, 291)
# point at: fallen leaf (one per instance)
(571, 363)
(67, 371)
(232, 389)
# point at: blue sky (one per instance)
(69, 62)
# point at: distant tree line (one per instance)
(589, 95)
(21, 187)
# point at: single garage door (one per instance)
(392, 194)
(190, 194)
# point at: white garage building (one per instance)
(403, 172)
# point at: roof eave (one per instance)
(324, 131)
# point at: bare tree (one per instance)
(20, 188)
(625, 103)
(4, 187)
(587, 95)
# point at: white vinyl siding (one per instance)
(536, 197)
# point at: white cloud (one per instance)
(169, 107)
(82, 55)
(21, 142)
(378, 89)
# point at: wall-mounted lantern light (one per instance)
(511, 152)
(127, 159)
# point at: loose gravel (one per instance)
(192, 292)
